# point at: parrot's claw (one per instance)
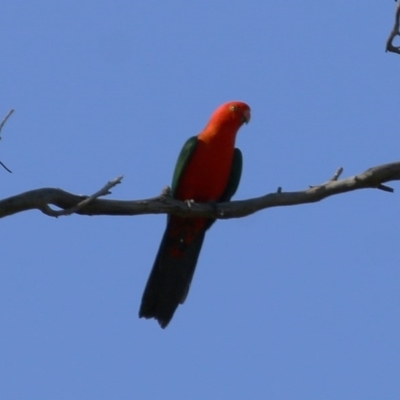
(166, 192)
(189, 203)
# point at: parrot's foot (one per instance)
(189, 203)
(166, 192)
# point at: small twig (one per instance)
(385, 188)
(395, 32)
(1, 127)
(5, 120)
(2, 164)
(334, 178)
(102, 192)
(337, 174)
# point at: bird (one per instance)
(208, 170)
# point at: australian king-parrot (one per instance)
(208, 170)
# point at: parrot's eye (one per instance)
(234, 108)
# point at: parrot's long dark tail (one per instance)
(169, 280)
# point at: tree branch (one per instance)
(395, 32)
(373, 178)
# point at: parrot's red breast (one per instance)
(207, 173)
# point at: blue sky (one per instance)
(290, 303)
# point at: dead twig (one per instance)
(2, 164)
(395, 32)
(1, 127)
(337, 174)
(104, 191)
(5, 119)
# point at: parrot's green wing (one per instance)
(234, 177)
(183, 159)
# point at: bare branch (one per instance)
(385, 188)
(395, 32)
(9, 170)
(335, 177)
(82, 204)
(5, 119)
(373, 178)
(1, 127)
(337, 174)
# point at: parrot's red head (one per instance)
(233, 112)
(226, 121)
(240, 111)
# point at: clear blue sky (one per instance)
(290, 303)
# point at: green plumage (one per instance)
(183, 159)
